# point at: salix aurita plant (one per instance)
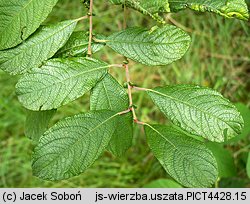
(57, 66)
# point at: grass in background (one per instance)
(218, 58)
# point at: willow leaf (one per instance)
(72, 145)
(59, 82)
(198, 110)
(109, 94)
(20, 18)
(37, 123)
(226, 8)
(185, 159)
(225, 160)
(147, 7)
(42, 45)
(77, 45)
(159, 46)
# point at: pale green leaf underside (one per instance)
(185, 159)
(163, 183)
(59, 82)
(198, 110)
(42, 45)
(225, 160)
(147, 7)
(72, 145)
(159, 46)
(77, 45)
(37, 123)
(226, 8)
(109, 94)
(20, 18)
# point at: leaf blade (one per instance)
(17, 23)
(226, 8)
(159, 46)
(59, 82)
(224, 158)
(85, 137)
(151, 8)
(36, 123)
(109, 94)
(199, 111)
(39, 47)
(185, 159)
(77, 45)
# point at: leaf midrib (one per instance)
(145, 43)
(190, 105)
(72, 47)
(66, 79)
(167, 140)
(78, 140)
(28, 46)
(19, 13)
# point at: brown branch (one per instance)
(130, 92)
(90, 27)
(124, 17)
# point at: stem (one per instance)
(124, 112)
(130, 92)
(82, 18)
(100, 41)
(140, 122)
(117, 65)
(90, 27)
(140, 88)
(124, 17)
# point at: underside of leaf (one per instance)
(20, 18)
(185, 159)
(109, 94)
(198, 110)
(226, 8)
(72, 145)
(37, 123)
(77, 45)
(158, 46)
(59, 82)
(147, 7)
(42, 45)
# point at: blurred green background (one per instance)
(219, 57)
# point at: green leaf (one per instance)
(185, 159)
(224, 160)
(248, 165)
(72, 145)
(37, 123)
(163, 183)
(199, 111)
(20, 18)
(59, 82)
(245, 112)
(109, 94)
(159, 46)
(42, 45)
(147, 7)
(77, 45)
(226, 8)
